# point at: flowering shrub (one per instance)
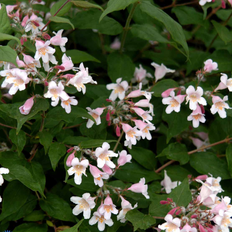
(115, 115)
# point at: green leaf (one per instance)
(133, 172)
(75, 140)
(116, 5)
(208, 162)
(4, 36)
(144, 157)
(56, 151)
(224, 14)
(58, 5)
(30, 174)
(172, 26)
(80, 56)
(83, 4)
(18, 139)
(45, 138)
(181, 195)
(176, 151)
(58, 19)
(140, 220)
(36, 215)
(148, 32)
(92, 143)
(188, 15)
(222, 31)
(74, 228)
(28, 227)
(4, 20)
(57, 208)
(229, 158)
(90, 20)
(14, 197)
(210, 5)
(177, 122)
(13, 111)
(120, 65)
(8, 54)
(163, 85)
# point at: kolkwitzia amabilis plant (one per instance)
(109, 108)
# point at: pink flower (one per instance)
(66, 104)
(168, 184)
(140, 188)
(225, 83)
(196, 116)
(58, 40)
(188, 228)
(26, 107)
(167, 92)
(219, 106)
(210, 65)
(143, 114)
(140, 74)
(171, 225)
(70, 158)
(124, 158)
(161, 70)
(144, 128)
(107, 169)
(66, 63)
(116, 44)
(98, 175)
(131, 133)
(107, 208)
(95, 113)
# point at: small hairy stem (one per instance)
(226, 140)
(1, 124)
(182, 4)
(126, 28)
(116, 145)
(69, 127)
(55, 14)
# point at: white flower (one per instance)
(34, 24)
(161, 70)
(103, 156)
(168, 184)
(131, 133)
(95, 113)
(119, 89)
(225, 83)
(97, 217)
(3, 171)
(126, 206)
(78, 168)
(219, 106)
(107, 208)
(195, 96)
(66, 104)
(171, 225)
(84, 204)
(173, 102)
(223, 220)
(140, 187)
(209, 64)
(144, 128)
(55, 91)
(59, 40)
(203, 2)
(98, 175)
(196, 116)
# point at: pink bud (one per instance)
(45, 83)
(164, 202)
(118, 133)
(108, 116)
(109, 123)
(201, 177)
(35, 23)
(201, 228)
(60, 67)
(26, 107)
(24, 21)
(46, 36)
(68, 76)
(169, 199)
(107, 169)
(223, 4)
(202, 109)
(108, 100)
(172, 211)
(167, 92)
(208, 229)
(178, 212)
(70, 158)
(194, 216)
(70, 149)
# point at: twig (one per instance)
(1, 124)
(226, 140)
(182, 4)
(116, 145)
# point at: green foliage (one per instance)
(4, 36)
(80, 56)
(163, 85)
(18, 139)
(58, 19)
(8, 54)
(59, 5)
(223, 32)
(83, 4)
(4, 21)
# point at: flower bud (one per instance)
(70, 158)
(26, 108)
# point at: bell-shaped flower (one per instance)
(3, 171)
(173, 102)
(107, 208)
(161, 70)
(58, 40)
(144, 128)
(223, 220)
(20, 63)
(167, 92)
(82, 77)
(143, 114)
(168, 184)
(194, 97)
(98, 175)
(103, 155)
(140, 75)
(96, 114)
(66, 104)
(119, 89)
(188, 228)
(100, 219)
(107, 169)
(209, 64)
(26, 107)
(66, 63)
(140, 187)
(225, 83)
(197, 116)
(55, 92)
(131, 133)
(124, 158)
(44, 51)
(34, 24)
(116, 44)
(78, 168)
(219, 106)
(17, 77)
(70, 158)
(126, 206)
(171, 225)
(84, 204)
(31, 64)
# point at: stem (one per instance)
(174, 4)
(224, 24)
(102, 43)
(226, 140)
(1, 124)
(126, 28)
(69, 127)
(55, 14)
(116, 145)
